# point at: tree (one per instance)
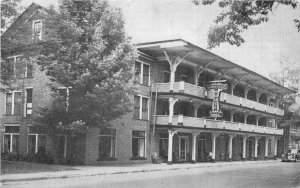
(288, 76)
(238, 16)
(9, 12)
(87, 52)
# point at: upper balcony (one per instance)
(183, 122)
(197, 91)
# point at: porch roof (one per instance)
(200, 57)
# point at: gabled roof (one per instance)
(21, 19)
(201, 57)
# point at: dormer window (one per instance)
(37, 29)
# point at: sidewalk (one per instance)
(82, 171)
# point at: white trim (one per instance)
(14, 57)
(142, 71)
(141, 107)
(186, 145)
(11, 140)
(33, 32)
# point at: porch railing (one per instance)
(193, 122)
(197, 91)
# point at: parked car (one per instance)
(291, 155)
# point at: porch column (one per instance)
(268, 98)
(172, 102)
(246, 90)
(231, 115)
(257, 120)
(258, 94)
(214, 137)
(196, 107)
(245, 118)
(255, 147)
(244, 147)
(173, 61)
(194, 135)
(230, 146)
(266, 148)
(170, 145)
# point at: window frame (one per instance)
(139, 137)
(141, 76)
(37, 141)
(13, 103)
(141, 107)
(28, 106)
(11, 138)
(33, 29)
(112, 137)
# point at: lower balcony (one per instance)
(192, 122)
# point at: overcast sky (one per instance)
(151, 20)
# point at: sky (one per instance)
(152, 20)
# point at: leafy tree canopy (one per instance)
(238, 16)
(88, 52)
(288, 76)
(9, 11)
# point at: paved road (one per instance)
(274, 175)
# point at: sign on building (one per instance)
(216, 87)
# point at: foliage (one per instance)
(88, 52)
(31, 158)
(288, 76)
(9, 12)
(238, 16)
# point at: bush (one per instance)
(138, 158)
(30, 158)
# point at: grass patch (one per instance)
(13, 167)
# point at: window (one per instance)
(141, 108)
(37, 29)
(36, 143)
(163, 145)
(9, 104)
(14, 103)
(28, 102)
(293, 127)
(142, 73)
(107, 142)
(20, 67)
(167, 76)
(138, 143)
(11, 139)
(29, 70)
(136, 111)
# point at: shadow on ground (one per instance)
(12, 167)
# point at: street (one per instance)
(273, 175)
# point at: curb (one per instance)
(131, 171)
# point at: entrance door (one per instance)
(201, 150)
(182, 148)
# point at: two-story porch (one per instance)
(181, 122)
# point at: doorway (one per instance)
(201, 150)
(183, 148)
